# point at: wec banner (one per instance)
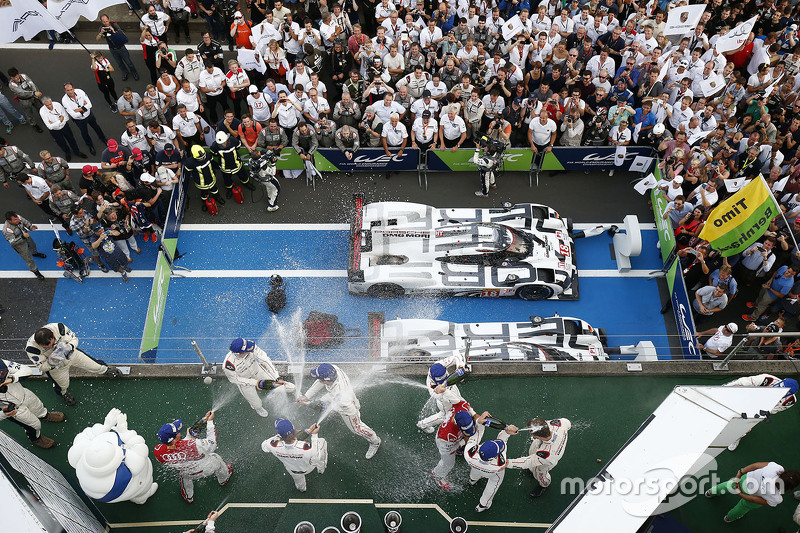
(365, 160)
(742, 219)
(514, 159)
(590, 157)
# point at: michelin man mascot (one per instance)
(112, 462)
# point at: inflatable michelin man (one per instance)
(112, 462)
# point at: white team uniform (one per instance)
(300, 457)
(194, 459)
(446, 400)
(544, 456)
(762, 380)
(342, 399)
(246, 370)
(29, 407)
(58, 370)
(493, 470)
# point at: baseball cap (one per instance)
(237, 14)
(324, 371)
(788, 383)
(283, 427)
(517, 101)
(683, 63)
(240, 345)
(491, 449)
(146, 177)
(426, 93)
(112, 145)
(137, 154)
(253, 89)
(733, 327)
(96, 226)
(168, 147)
(427, 114)
(678, 180)
(464, 421)
(3, 371)
(168, 432)
(438, 373)
(89, 169)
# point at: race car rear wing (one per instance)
(354, 271)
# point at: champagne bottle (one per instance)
(456, 377)
(495, 423)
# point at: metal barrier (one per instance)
(723, 365)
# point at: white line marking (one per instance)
(55, 274)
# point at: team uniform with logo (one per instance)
(194, 459)
(449, 439)
(494, 469)
(300, 457)
(246, 370)
(544, 456)
(447, 399)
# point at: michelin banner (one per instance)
(365, 160)
(590, 157)
(742, 219)
(515, 159)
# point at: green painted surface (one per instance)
(604, 413)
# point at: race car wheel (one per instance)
(534, 292)
(386, 290)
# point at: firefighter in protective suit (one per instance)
(263, 169)
(226, 148)
(204, 171)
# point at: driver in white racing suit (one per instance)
(341, 398)
(298, 455)
(767, 380)
(248, 367)
(549, 440)
(487, 460)
(22, 406)
(451, 437)
(446, 395)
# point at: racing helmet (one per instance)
(658, 129)
(222, 137)
(438, 373)
(790, 384)
(325, 372)
(198, 152)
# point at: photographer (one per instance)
(166, 59)
(290, 31)
(346, 111)
(116, 40)
(598, 128)
(500, 130)
(572, 129)
(157, 21)
(371, 128)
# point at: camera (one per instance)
(671, 160)
(286, 27)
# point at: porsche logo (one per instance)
(684, 17)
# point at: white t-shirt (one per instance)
(137, 140)
(452, 129)
(37, 188)
(314, 108)
(719, 342)
(260, 107)
(764, 482)
(542, 133)
(212, 81)
(424, 134)
(186, 126)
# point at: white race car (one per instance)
(539, 339)
(523, 250)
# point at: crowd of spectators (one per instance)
(432, 75)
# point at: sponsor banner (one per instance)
(289, 160)
(365, 160)
(742, 219)
(735, 37)
(155, 310)
(683, 311)
(158, 293)
(666, 235)
(590, 157)
(515, 159)
(682, 20)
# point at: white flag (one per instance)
(642, 186)
(512, 27)
(251, 60)
(682, 20)
(25, 18)
(69, 11)
(733, 185)
(735, 37)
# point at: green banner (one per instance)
(666, 235)
(516, 159)
(158, 301)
